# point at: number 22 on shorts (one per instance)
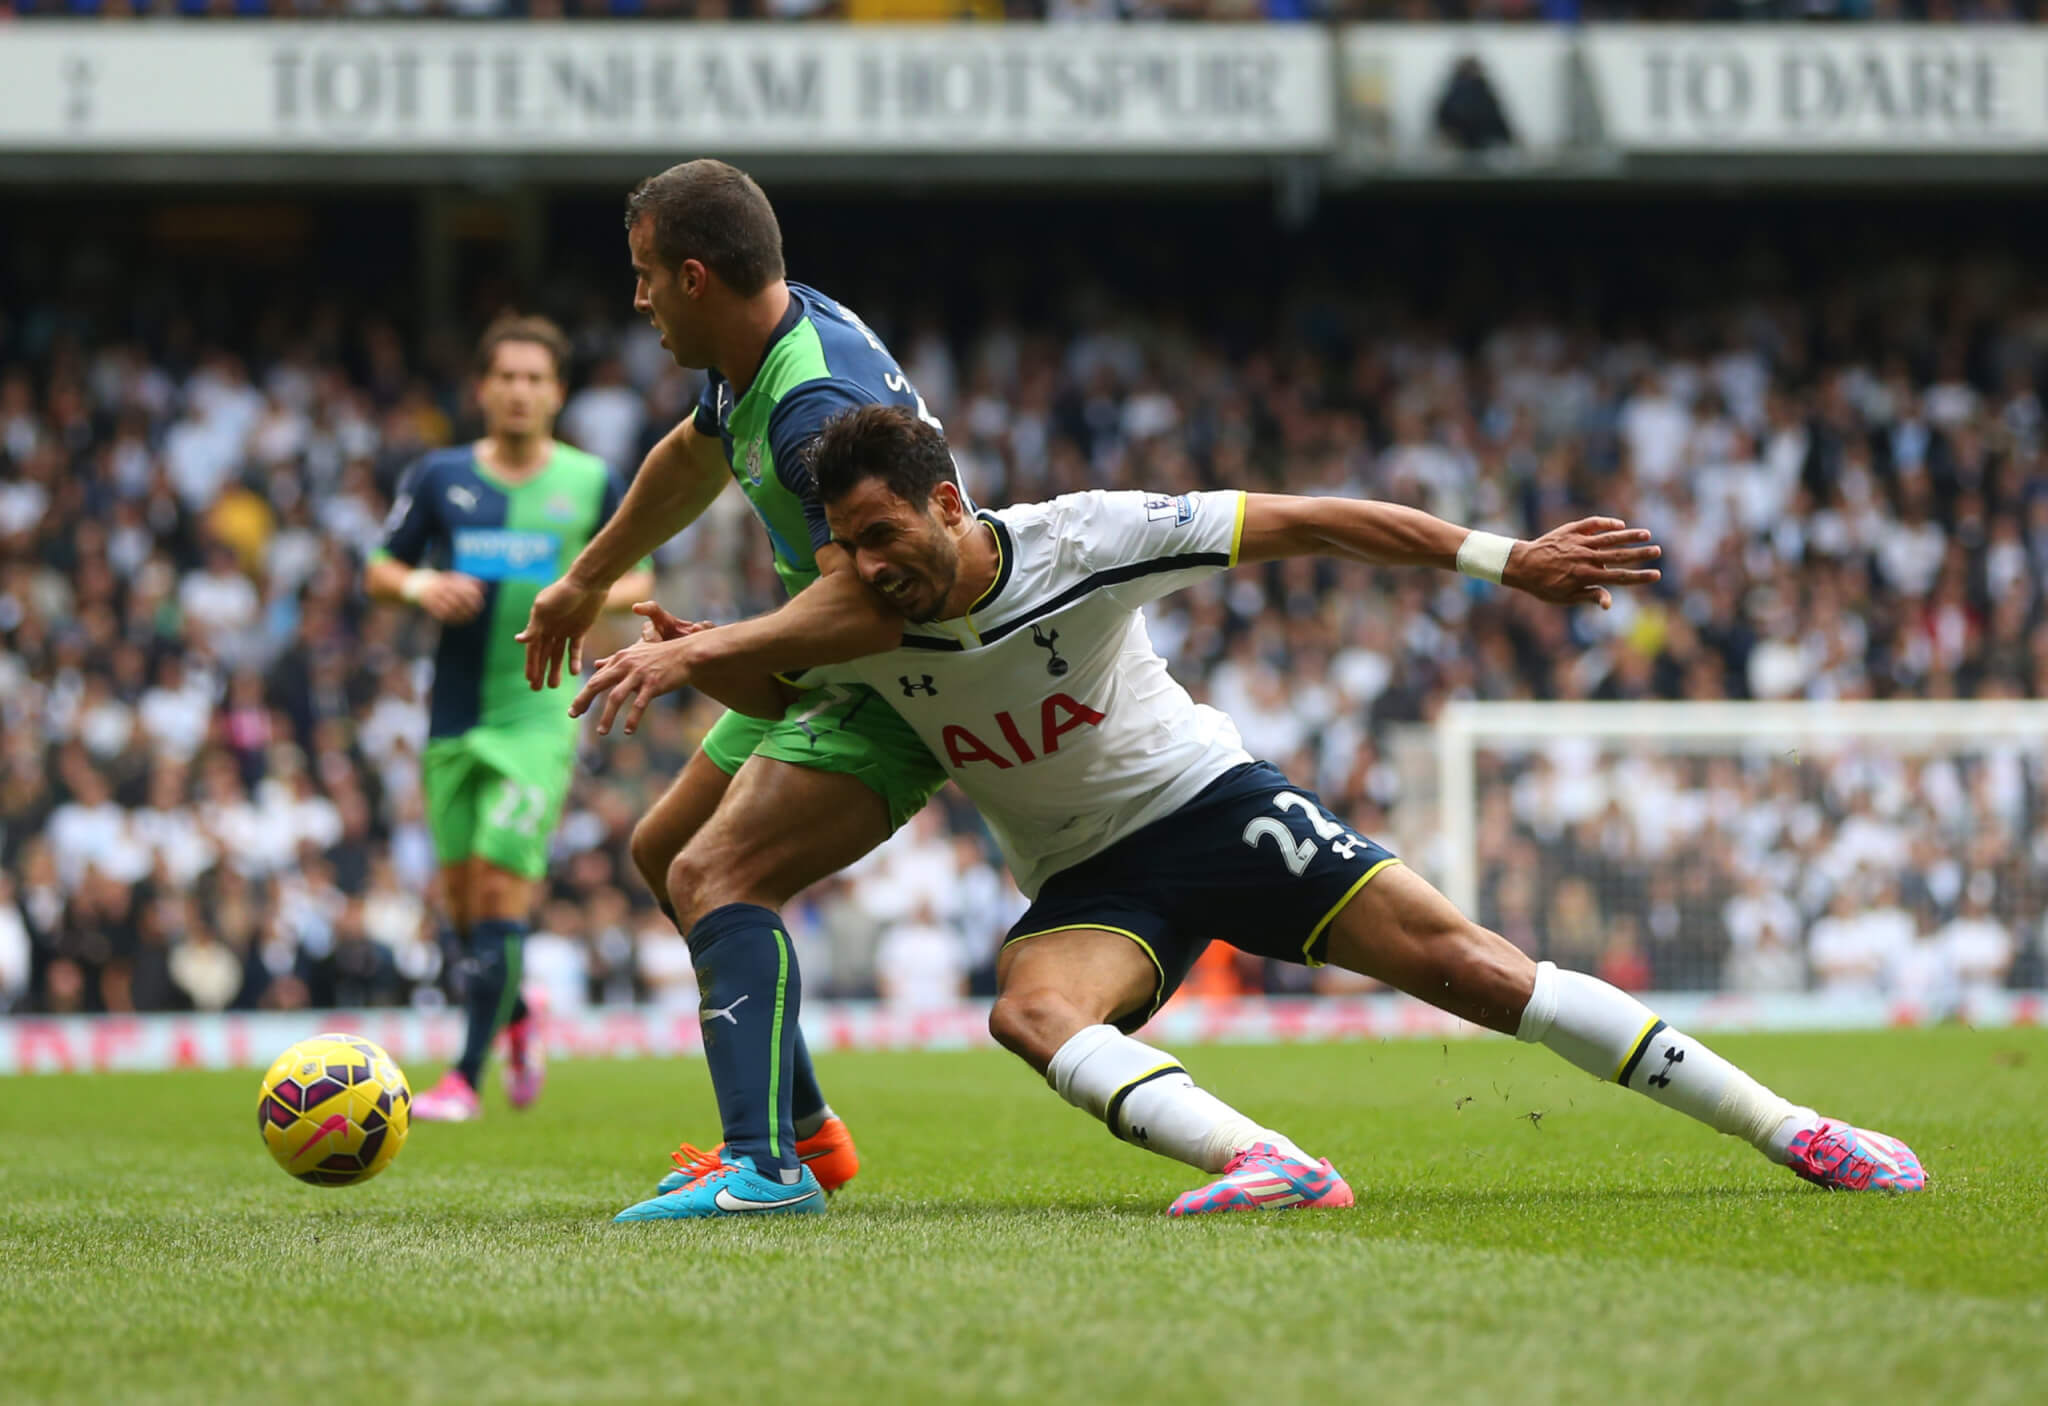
(1297, 855)
(518, 807)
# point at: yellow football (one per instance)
(334, 1110)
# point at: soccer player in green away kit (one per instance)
(766, 808)
(476, 532)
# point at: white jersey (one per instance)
(1046, 701)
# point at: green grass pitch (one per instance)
(999, 1245)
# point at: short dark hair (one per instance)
(886, 442)
(511, 327)
(713, 213)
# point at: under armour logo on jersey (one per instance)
(1672, 1055)
(911, 690)
(712, 1013)
(462, 498)
(1054, 665)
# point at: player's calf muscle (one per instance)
(497, 893)
(1468, 971)
(455, 897)
(1483, 978)
(1402, 931)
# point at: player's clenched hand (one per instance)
(562, 615)
(1576, 563)
(452, 598)
(633, 678)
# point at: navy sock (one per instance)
(806, 1100)
(496, 956)
(748, 997)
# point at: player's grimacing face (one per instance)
(660, 297)
(906, 555)
(521, 393)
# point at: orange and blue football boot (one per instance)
(1843, 1158)
(829, 1153)
(717, 1184)
(1263, 1178)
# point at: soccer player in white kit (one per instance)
(1139, 827)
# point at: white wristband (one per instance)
(1485, 555)
(420, 577)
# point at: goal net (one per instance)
(1889, 850)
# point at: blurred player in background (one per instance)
(475, 533)
(767, 807)
(1139, 827)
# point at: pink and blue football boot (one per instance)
(1842, 1158)
(1263, 1178)
(526, 1051)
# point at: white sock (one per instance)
(1611, 1035)
(808, 1127)
(1146, 1098)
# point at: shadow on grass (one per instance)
(1398, 1211)
(967, 1208)
(1572, 1202)
(1576, 1199)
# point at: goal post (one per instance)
(1782, 815)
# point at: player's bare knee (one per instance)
(689, 887)
(651, 853)
(708, 876)
(1034, 1022)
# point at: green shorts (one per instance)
(497, 795)
(844, 728)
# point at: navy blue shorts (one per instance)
(1252, 860)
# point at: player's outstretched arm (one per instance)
(677, 481)
(834, 619)
(1569, 565)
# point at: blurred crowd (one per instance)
(1860, 869)
(209, 790)
(1554, 11)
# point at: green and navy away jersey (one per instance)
(822, 361)
(454, 514)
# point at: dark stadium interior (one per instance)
(1528, 11)
(1624, 259)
